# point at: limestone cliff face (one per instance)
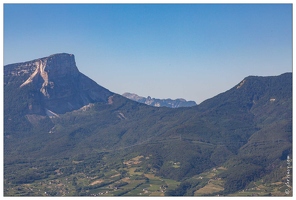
(51, 69)
(58, 82)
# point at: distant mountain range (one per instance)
(65, 135)
(160, 102)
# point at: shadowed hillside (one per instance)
(59, 124)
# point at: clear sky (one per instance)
(191, 51)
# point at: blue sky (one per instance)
(191, 51)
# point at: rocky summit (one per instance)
(171, 103)
(65, 135)
(56, 84)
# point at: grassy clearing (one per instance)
(213, 183)
(154, 187)
(97, 182)
(132, 170)
(134, 161)
(171, 183)
(157, 194)
(209, 189)
(156, 182)
(175, 164)
(261, 189)
(111, 173)
(150, 176)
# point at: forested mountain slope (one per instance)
(58, 123)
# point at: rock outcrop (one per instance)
(160, 102)
(58, 83)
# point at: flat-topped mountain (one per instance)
(54, 83)
(65, 135)
(160, 102)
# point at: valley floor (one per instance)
(130, 179)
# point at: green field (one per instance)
(129, 178)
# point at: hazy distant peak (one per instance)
(133, 96)
(180, 102)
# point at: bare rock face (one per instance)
(160, 102)
(59, 85)
(51, 69)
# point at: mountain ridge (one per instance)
(246, 130)
(171, 103)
